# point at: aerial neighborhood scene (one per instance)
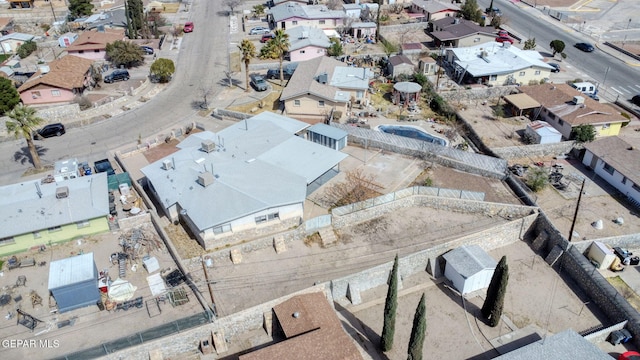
(320, 179)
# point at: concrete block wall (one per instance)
(232, 325)
(262, 234)
(489, 239)
(134, 221)
(537, 150)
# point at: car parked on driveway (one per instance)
(504, 39)
(586, 47)
(50, 130)
(188, 27)
(148, 50)
(556, 67)
(117, 75)
(259, 30)
(259, 83)
(267, 37)
(287, 72)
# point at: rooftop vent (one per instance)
(323, 78)
(205, 179)
(296, 314)
(578, 100)
(167, 164)
(208, 146)
(62, 192)
(304, 35)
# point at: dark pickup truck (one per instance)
(103, 165)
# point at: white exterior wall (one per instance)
(329, 24)
(616, 179)
(456, 279)
(478, 281)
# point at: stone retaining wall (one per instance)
(537, 150)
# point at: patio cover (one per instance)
(522, 101)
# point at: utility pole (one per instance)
(575, 215)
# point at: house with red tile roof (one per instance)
(312, 331)
(93, 44)
(65, 79)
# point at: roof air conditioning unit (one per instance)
(578, 100)
(167, 164)
(62, 192)
(323, 78)
(208, 146)
(205, 179)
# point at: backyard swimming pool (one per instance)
(412, 132)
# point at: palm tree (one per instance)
(248, 51)
(276, 48)
(22, 124)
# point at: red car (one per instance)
(188, 27)
(503, 39)
(629, 355)
(266, 37)
(503, 33)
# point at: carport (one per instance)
(73, 282)
(522, 104)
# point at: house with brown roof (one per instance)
(321, 87)
(616, 160)
(434, 9)
(565, 108)
(311, 329)
(93, 44)
(64, 79)
(6, 25)
(458, 32)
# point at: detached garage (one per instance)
(469, 268)
(73, 282)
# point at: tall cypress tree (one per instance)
(135, 15)
(416, 341)
(494, 302)
(390, 307)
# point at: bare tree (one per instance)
(205, 91)
(232, 5)
(357, 186)
(334, 4)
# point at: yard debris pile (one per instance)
(138, 241)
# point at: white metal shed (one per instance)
(601, 254)
(469, 268)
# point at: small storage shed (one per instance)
(542, 133)
(73, 282)
(328, 136)
(601, 254)
(469, 268)
(400, 64)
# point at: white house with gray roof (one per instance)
(306, 43)
(495, 63)
(250, 176)
(289, 15)
(323, 86)
(35, 213)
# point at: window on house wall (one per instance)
(96, 50)
(80, 51)
(55, 92)
(359, 94)
(606, 126)
(560, 122)
(83, 224)
(269, 217)
(54, 229)
(624, 179)
(476, 39)
(608, 168)
(636, 187)
(36, 235)
(321, 103)
(222, 229)
(537, 72)
(302, 51)
(35, 94)
(294, 22)
(552, 116)
(493, 77)
(7, 241)
(296, 102)
(521, 73)
(321, 22)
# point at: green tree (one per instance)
(530, 44)
(22, 124)
(389, 47)
(79, 8)
(125, 53)
(583, 133)
(336, 47)
(135, 18)
(471, 11)
(247, 52)
(416, 341)
(557, 46)
(390, 307)
(163, 69)
(537, 178)
(496, 21)
(494, 302)
(378, 13)
(258, 10)
(276, 48)
(9, 96)
(26, 48)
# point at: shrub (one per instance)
(26, 49)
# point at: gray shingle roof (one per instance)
(23, 211)
(303, 36)
(567, 345)
(258, 164)
(624, 156)
(328, 131)
(290, 10)
(469, 260)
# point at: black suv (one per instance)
(117, 75)
(50, 130)
(636, 100)
(287, 72)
